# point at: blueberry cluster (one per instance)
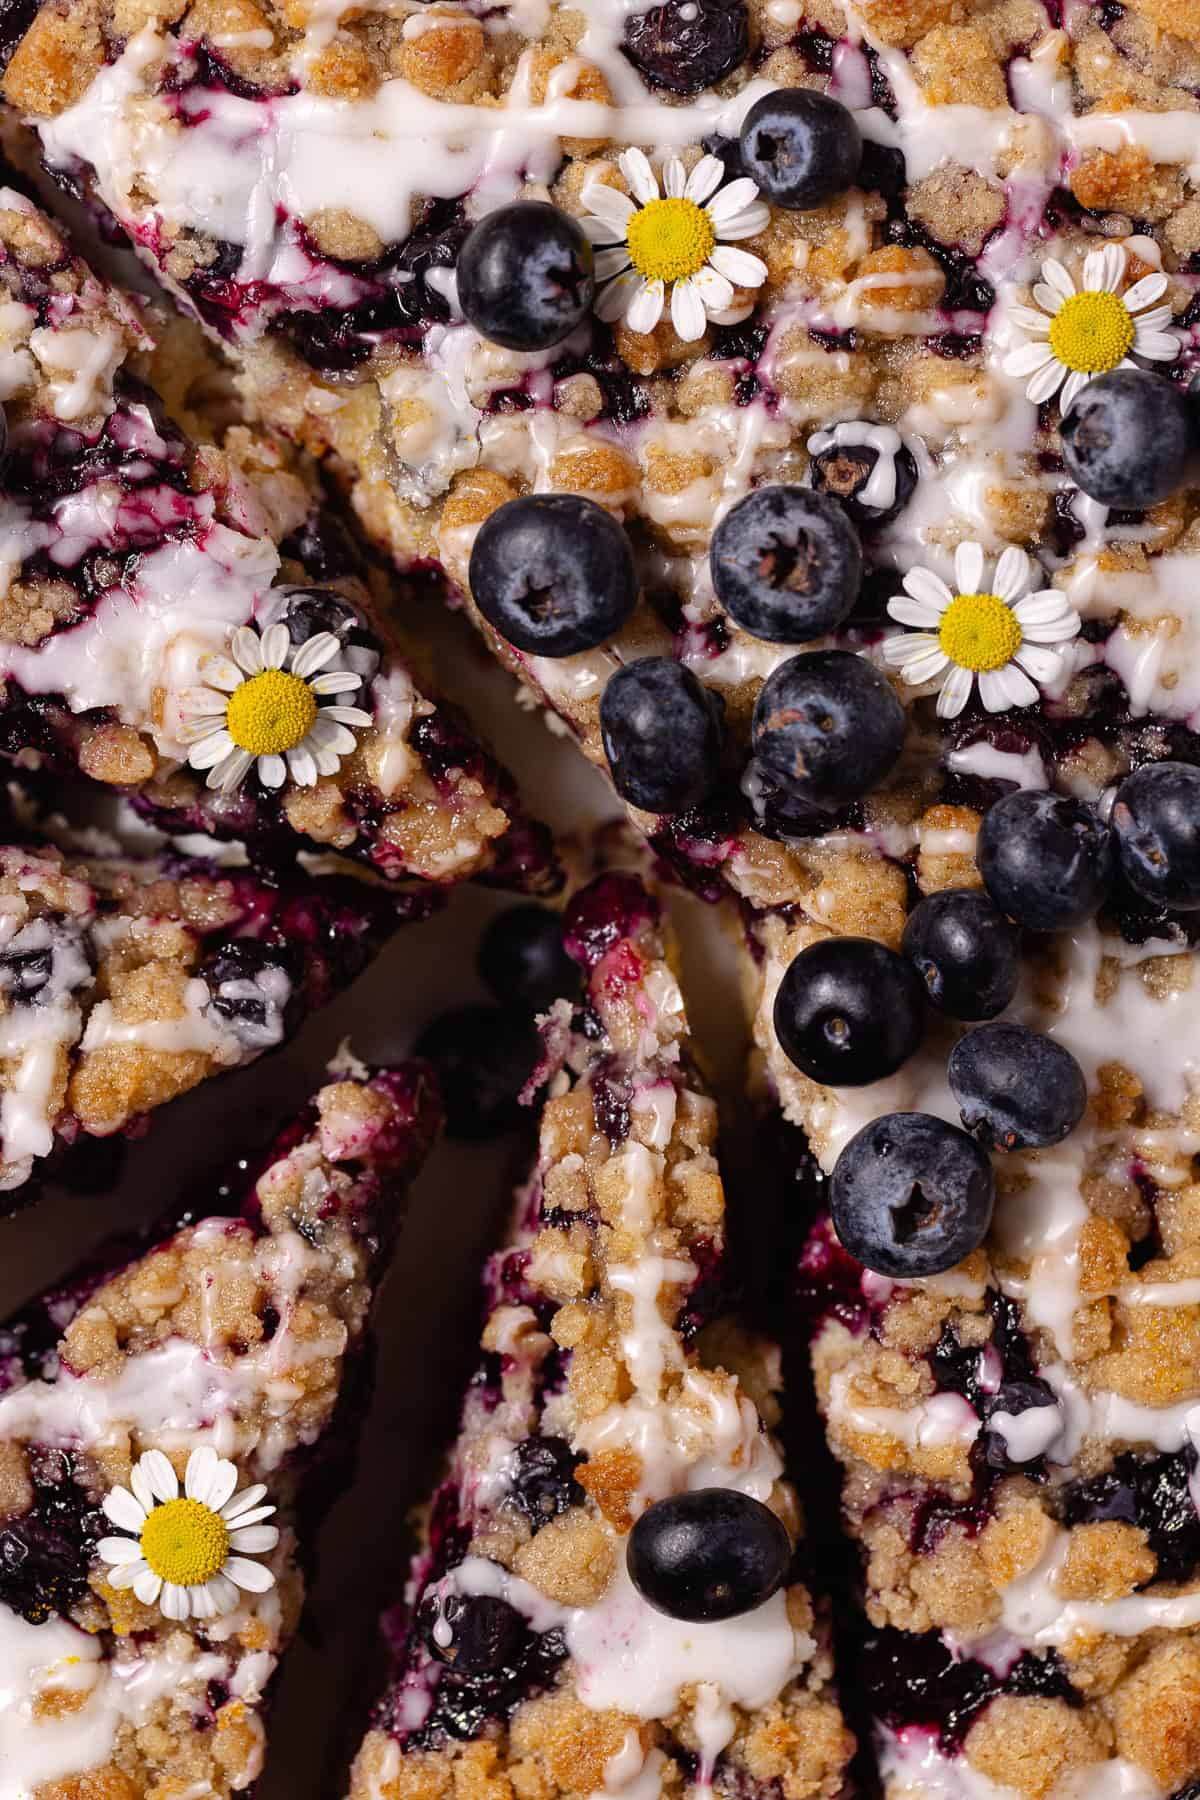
(911, 1194)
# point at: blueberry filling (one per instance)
(45, 1552)
(913, 1679)
(43, 962)
(1152, 1492)
(542, 1484)
(959, 1369)
(687, 45)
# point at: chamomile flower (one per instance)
(190, 1552)
(681, 239)
(261, 708)
(1004, 636)
(1079, 334)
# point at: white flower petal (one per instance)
(224, 1593)
(1011, 579)
(611, 262)
(327, 734)
(337, 681)
(272, 771)
(1057, 277)
(923, 584)
(126, 1575)
(705, 179)
(246, 648)
(1047, 617)
(687, 311)
(738, 266)
(956, 691)
(253, 1515)
(1028, 359)
(603, 232)
(196, 729)
(249, 1575)
(1047, 298)
(674, 178)
(746, 223)
(203, 1603)
(223, 1483)
(202, 1466)
(732, 199)
(276, 642)
(148, 1586)
(1027, 319)
(139, 1481)
(615, 299)
(118, 1550)
(328, 763)
(907, 611)
(1145, 292)
(713, 289)
(1156, 346)
(210, 749)
(314, 653)
(242, 1503)
(164, 1483)
(635, 167)
(1001, 688)
(608, 204)
(1073, 386)
(345, 715)
(968, 568)
(174, 1602)
(254, 1538)
(220, 672)
(1039, 663)
(1104, 270)
(645, 309)
(925, 668)
(1155, 319)
(124, 1509)
(231, 773)
(301, 767)
(1045, 382)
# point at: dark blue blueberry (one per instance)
(543, 1483)
(801, 146)
(482, 1057)
(686, 45)
(845, 470)
(525, 276)
(911, 1195)
(777, 811)
(1156, 817)
(522, 960)
(474, 1634)
(1127, 438)
(827, 726)
(553, 574)
(786, 564)
(1046, 860)
(849, 1011)
(1017, 1090)
(709, 1554)
(662, 735)
(965, 952)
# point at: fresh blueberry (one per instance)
(1156, 817)
(553, 574)
(911, 1195)
(801, 146)
(1127, 438)
(474, 1634)
(849, 1011)
(786, 564)
(525, 276)
(777, 811)
(848, 470)
(522, 960)
(1046, 860)
(662, 735)
(482, 1057)
(708, 1554)
(965, 952)
(686, 45)
(1016, 1089)
(543, 1479)
(827, 726)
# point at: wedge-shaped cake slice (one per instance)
(1019, 1431)
(157, 1422)
(178, 621)
(527, 1660)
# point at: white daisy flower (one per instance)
(261, 707)
(1080, 334)
(681, 239)
(1002, 635)
(190, 1552)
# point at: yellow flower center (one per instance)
(185, 1542)
(270, 713)
(1092, 332)
(669, 240)
(978, 631)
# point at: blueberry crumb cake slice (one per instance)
(128, 978)
(171, 1423)
(608, 1597)
(180, 622)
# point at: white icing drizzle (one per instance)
(913, 1767)
(880, 487)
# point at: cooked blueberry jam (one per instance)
(913, 1679)
(609, 910)
(253, 989)
(687, 45)
(45, 1552)
(1150, 1491)
(543, 1483)
(960, 1369)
